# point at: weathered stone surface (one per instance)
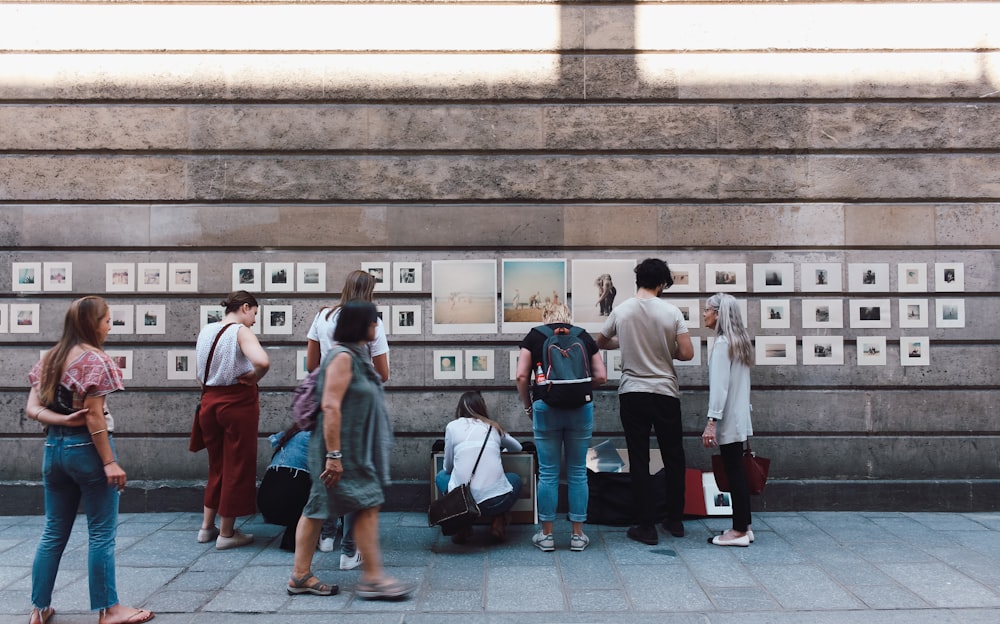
(882, 225)
(968, 224)
(735, 226)
(94, 127)
(86, 178)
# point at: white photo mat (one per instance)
(775, 314)
(276, 319)
(868, 277)
(119, 277)
(150, 318)
(380, 271)
(871, 350)
(479, 364)
(915, 351)
(696, 360)
(182, 277)
(407, 276)
(949, 313)
(690, 310)
(247, 276)
(122, 318)
(775, 350)
(686, 279)
(310, 277)
(823, 350)
(123, 359)
(182, 364)
(447, 364)
(599, 286)
(949, 277)
(774, 277)
(913, 313)
(822, 313)
(464, 296)
(57, 276)
(406, 319)
(279, 276)
(911, 277)
(26, 276)
(870, 313)
(729, 277)
(4, 318)
(821, 277)
(151, 277)
(527, 286)
(24, 318)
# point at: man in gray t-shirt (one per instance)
(651, 334)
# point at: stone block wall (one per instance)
(395, 131)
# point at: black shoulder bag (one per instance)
(457, 509)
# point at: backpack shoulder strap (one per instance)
(545, 330)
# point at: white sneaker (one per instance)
(544, 542)
(348, 562)
(326, 544)
(578, 542)
(237, 539)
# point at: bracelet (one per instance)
(529, 409)
(334, 455)
(93, 433)
(39, 412)
(111, 462)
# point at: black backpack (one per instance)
(566, 365)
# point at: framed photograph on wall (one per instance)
(913, 313)
(182, 364)
(915, 351)
(119, 277)
(686, 279)
(871, 350)
(151, 319)
(512, 363)
(775, 314)
(774, 277)
(406, 319)
(182, 277)
(447, 364)
(479, 364)
(613, 363)
(279, 276)
(24, 318)
(528, 286)
(950, 313)
(598, 286)
(870, 313)
(464, 297)
(729, 278)
(380, 271)
(821, 276)
(57, 276)
(823, 350)
(123, 359)
(26, 276)
(247, 276)
(912, 277)
(822, 313)
(122, 318)
(310, 277)
(690, 310)
(4, 318)
(775, 350)
(949, 277)
(210, 314)
(301, 361)
(276, 319)
(868, 277)
(151, 277)
(408, 276)
(696, 360)
(717, 503)
(384, 314)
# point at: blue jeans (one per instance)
(73, 471)
(558, 430)
(491, 506)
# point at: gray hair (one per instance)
(730, 324)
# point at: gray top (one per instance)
(647, 331)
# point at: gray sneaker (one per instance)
(544, 542)
(578, 542)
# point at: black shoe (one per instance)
(645, 533)
(674, 527)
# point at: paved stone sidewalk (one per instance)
(827, 568)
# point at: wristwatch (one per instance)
(334, 455)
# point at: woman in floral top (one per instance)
(68, 391)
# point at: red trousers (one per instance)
(229, 417)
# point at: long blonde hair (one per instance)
(730, 325)
(81, 327)
(359, 286)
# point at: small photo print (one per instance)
(310, 277)
(123, 359)
(210, 314)
(871, 350)
(528, 285)
(613, 362)
(717, 503)
(912, 277)
(950, 313)
(868, 277)
(690, 310)
(57, 276)
(301, 361)
(151, 277)
(775, 350)
(406, 319)
(182, 277)
(380, 271)
(479, 364)
(4, 318)
(685, 278)
(726, 277)
(696, 360)
(870, 313)
(915, 351)
(279, 276)
(821, 276)
(598, 287)
(276, 319)
(407, 276)
(26, 276)
(247, 276)
(822, 313)
(823, 350)
(775, 314)
(464, 296)
(119, 277)
(913, 313)
(122, 317)
(182, 364)
(949, 276)
(151, 319)
(447, 364)
(24, 318)
(778, 277)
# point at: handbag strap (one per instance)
(211, 352)
(480, 456)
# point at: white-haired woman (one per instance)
(729, 408)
